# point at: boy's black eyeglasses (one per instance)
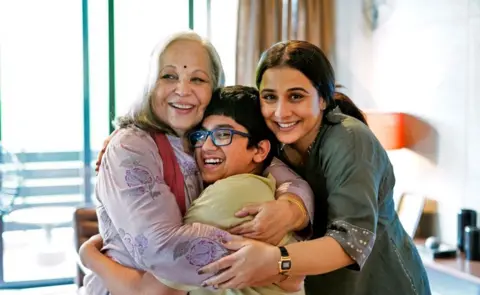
(220, 136)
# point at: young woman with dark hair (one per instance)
(359, 245)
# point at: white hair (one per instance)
(217, 75)
(141, 113)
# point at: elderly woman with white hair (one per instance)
(140, 212)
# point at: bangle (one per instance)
(300, 206)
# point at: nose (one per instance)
(183, 88)
(282, 110)
(208, 145)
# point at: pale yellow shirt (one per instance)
(217, 205)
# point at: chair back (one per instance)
(85, 225)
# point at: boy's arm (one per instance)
(119, 279)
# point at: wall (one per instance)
(422, 59)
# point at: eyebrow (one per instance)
(289, 89)
(219, 126)
(268, 90)
(224, 126)
(174, 67)
(168, 66)
(198, 70)
(298, 89)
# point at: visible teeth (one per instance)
(213, 161)
(182, 106)
(283, 125)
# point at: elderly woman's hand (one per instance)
(272, 221)
(252, 264)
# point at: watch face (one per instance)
(286, 265)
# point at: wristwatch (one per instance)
(285, 262)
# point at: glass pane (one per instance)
(224, 34)
(42, 123)
(139, 26)
(200, 17)
(99, 77)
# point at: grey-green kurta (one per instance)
(353, 182)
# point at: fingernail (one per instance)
(203, 284)
(200, 272)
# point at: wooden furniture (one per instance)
(461, 275)
(85, 225)
(409, 209)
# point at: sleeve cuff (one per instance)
(293, 188)
(357, 242)
(307, 232)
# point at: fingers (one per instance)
(102, 151)
(88, 250)
(257, 226)
(95, 241)
(217, 281)
(99, 159)
(218, 266)
(244, 228)
(248, 210)
(235, 238)
(234, 245)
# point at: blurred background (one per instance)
(69, 67)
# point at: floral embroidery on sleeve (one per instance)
(356, 241)
(200, 251)
(135, 245)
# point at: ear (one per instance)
(323, 104)
(261, 151)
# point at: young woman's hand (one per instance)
(252, 264)
(272, 221)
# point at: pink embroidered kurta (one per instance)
(140, 221)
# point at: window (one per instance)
(98, 74)
(43, 97)
(138, 29)
(217, 20)
(55, 108)
(42, 122)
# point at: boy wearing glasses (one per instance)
(232, 147)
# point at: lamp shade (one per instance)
(389, 128)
